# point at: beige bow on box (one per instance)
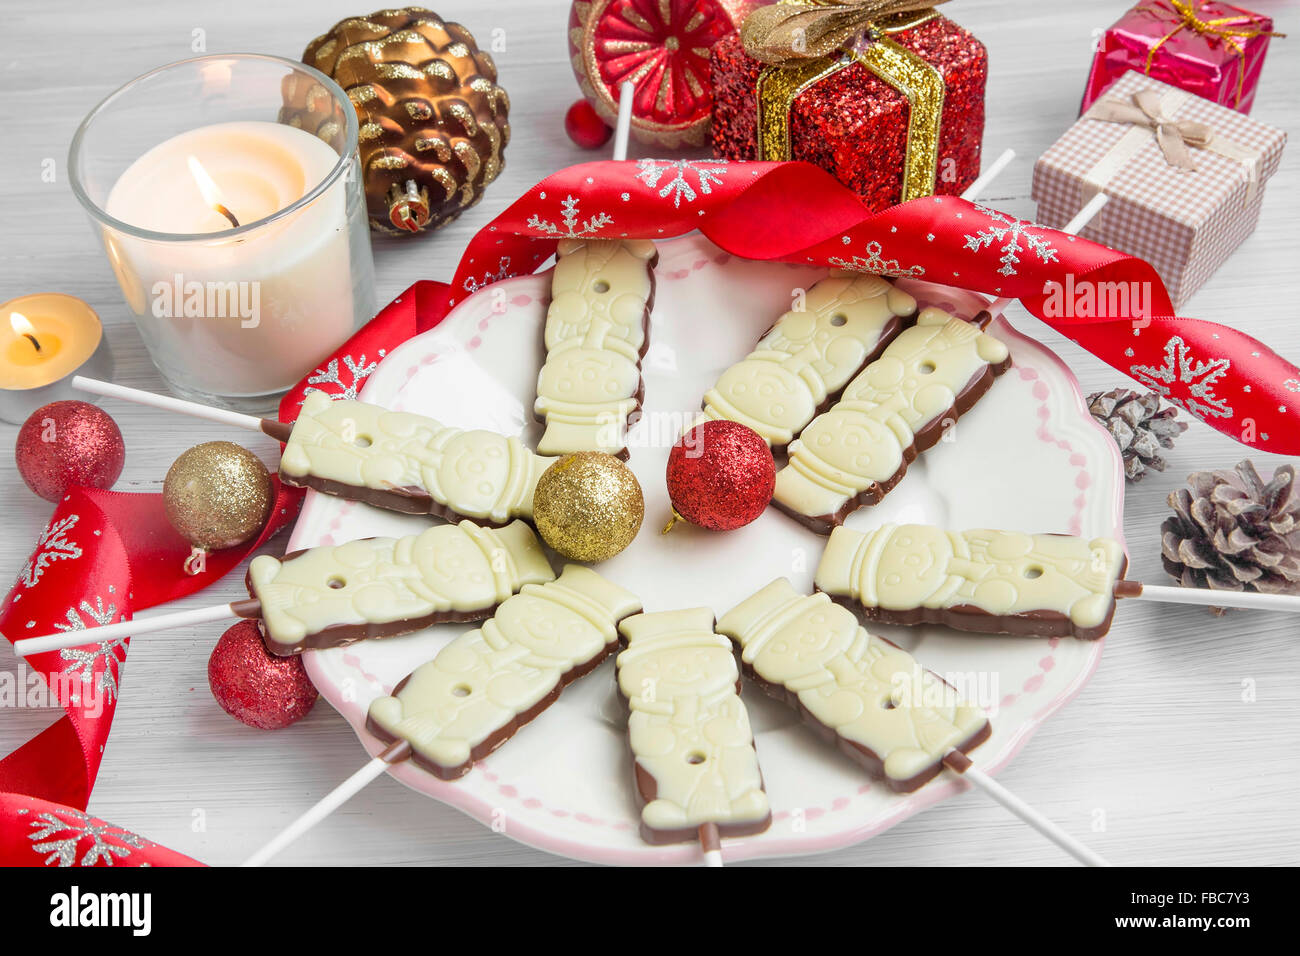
(1173, 136)
(1152, 112)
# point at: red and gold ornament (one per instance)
(720, 476)
(254, 686)
(662, 47)
(66, 445)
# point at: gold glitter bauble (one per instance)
(588, 506)
(217, 495)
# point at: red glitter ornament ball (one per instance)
(584, 127)
(720, 475)
(66, 445)
(254, 686)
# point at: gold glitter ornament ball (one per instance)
(588, 506)
(217, 495)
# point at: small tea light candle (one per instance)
(46, 339)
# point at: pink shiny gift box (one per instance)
(1211, 49)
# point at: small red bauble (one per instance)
(584, 127)
(66, 445)
(254, 686)
(720, 475)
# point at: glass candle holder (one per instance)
(227, 192)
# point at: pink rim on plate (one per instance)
(564, 783)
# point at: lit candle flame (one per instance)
(22, 327)
(211, 194)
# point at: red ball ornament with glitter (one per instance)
(720, 476)
(662, 48)
(584, 127)
(254, 686)
(69, 445)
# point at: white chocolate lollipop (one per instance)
(980, 580)
(377, 587)
(602, 291)
(410, 463)
(853, 453)
(487, 683)
(891, 716)
(689, 731)
(809, 355)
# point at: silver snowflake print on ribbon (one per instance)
(1014, 235)
(570, 227)
(358, 371)
(82, 662)
(1185, 381)
(472, 284)
(1292, 384)
(875, 264)
(60, 839)
(708, 173)
(53, 545)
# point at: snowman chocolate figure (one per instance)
(487, 683)
(333, 595)
(693, 749)
(986, 581)
(597, 329)
(410, 463)
(884, 711)
(809, 354)
(854, 453)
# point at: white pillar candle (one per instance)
(241, 312)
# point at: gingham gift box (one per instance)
(1185, 222)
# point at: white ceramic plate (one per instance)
(1028, 457)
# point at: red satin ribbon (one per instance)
(792, 212)
(796, 212)
(104, 555)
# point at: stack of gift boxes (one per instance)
(893, 106)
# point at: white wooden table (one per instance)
(1164, 758)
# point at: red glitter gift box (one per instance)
(1211, 49)
(895, 114)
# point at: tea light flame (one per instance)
(211, 194)
(18, 322)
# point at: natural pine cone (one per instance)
(1138, 425)
(1233, 532)
(433, 120)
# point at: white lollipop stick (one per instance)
(624, 127)
(1073, 227)
(1206, 597)
(393, 753)
(141, 625)
(982, 181)
(960, 764)
(711, 844)
(266, 426)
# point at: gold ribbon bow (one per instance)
(1229, 29)
(794, 30)
(1173, 136)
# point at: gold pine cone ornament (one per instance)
(433, 121)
